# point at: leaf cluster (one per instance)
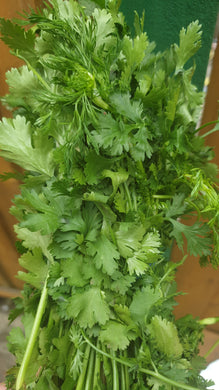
(105, 130)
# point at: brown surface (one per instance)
(210, 338)
(8, 254)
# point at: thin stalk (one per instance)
(107, 368)
(115, 374)
(176, 265)
(156, 375)
(209, 132)
(123, 378)
(162, 196)
(33, 337)
(211, 349)
(96, 381)
(126, 373)
(134, 201)
(205, 125)
(80, 384)
(90, 371)
(128, 196)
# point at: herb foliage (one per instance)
(104, 128)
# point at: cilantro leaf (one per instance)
(35, 264)
(16, 146)
(165, 334)
(104, 254)
(116, 335)
(44, 216)
(22, 82)
(142, 302)
(121, 284)
(16, 343)
(17, 38)
(34, 240)
(95, 165)
(72, 270)
(123, 104)
(176, 207)
(136, 266)
(111, 135)
(88, 308)
(129, 238)
(198, 241)
(104, 30)
(147, 253)
(133, 51)
(190, 42)
(119, 177)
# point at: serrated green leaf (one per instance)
(121, 284)
(72, 270)
(88, 308)
(16, 146)
(105, 29)
(190, 42)
(129, 237)
(37, 267)
(22, 82)
(46, 221)
(104, 254)
(197, 237)
(125, 106)
(142, 302)
(136, 266)
(33, 240)
(117, 177)
(16, 343)
(176, 207)
(116, 335)
(18, 38)
(133, 51)
(95, 165)
(166, 337)
(111, 135)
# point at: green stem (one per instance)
(89, 377)
(128, 196)
(211, 349)
(80, 384)
(156, 375)
(107, 368)
(115, 374)
(209, 132)
(170, 269)
(126, 372)
(123, 378)
(205, 125)
(97, 373)
(33, 336)
(162, 196)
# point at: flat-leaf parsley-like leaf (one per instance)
(104, 128)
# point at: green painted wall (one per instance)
(165, 18)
